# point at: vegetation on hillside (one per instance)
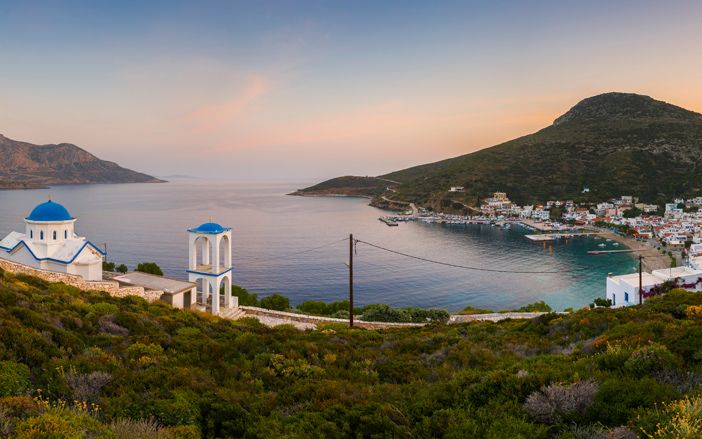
(82, 364)
(605, 143)
(350, 186)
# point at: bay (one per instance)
(293, 245)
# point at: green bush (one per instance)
(384, 313)
(150, 268)
(245, 297)
(14, 378)
(275, 302)
(540, 306)
(648, 359)
(121, 268)
(323, 309)
(108, 266)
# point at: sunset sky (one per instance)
(314, 89)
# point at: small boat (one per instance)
(616, 243)
(602, 245)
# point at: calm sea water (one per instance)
(273, 234)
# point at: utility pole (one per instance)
(351, 245)
(640, 279)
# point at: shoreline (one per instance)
(653, 259)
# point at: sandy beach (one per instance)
(653, 258)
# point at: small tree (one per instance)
(276, 302)
(108, 266)
(149, 267)
(121, 268)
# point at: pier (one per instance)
(602, 252)
(553, 236)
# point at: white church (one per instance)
(49, 242)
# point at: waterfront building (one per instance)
(49, 242)
(210, 265)
(624, 290)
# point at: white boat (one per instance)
(602, 245)
(616, 243)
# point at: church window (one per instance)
(54, 235)
(31, 234)
(65, 234)
(41, 235)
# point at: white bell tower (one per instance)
(210, 265)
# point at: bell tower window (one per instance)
(65, 234)
(41, 235)
(54, 235)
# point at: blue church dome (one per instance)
(212, 228)
(49, 211)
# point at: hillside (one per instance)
(614, 144)
(25, 165)
(349, 186)
(132, 369)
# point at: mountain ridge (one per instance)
(613, 144)
(26, 165)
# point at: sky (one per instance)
(307, 90)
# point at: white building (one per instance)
(624, 290)
(210, 265)
(49, 242)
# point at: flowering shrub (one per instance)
(679, 419)
(650, 358)
(694, 311)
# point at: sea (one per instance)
(299, 247)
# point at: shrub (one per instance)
(150, 268)
(552, 403)
(693, 311)
(469, 310)
(245, 297)
(61, 423)
(601, 301)
(677, 419)
(539, 306)
(121, 268)
(14, 378)
(323, 309)
(275, 302)
(108, 266)
(384, 313)
(86, 387)
(648, 359)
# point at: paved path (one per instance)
(305, 321)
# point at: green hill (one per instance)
(614, 144)
(349, 186)
(77, 364)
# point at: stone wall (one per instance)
(110, 287)
(305, 318)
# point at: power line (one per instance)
(448, 264)
(286, 255)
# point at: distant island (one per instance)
(601, 146)
(29, 166)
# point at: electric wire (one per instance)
(449, 264)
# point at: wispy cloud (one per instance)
(219, 114)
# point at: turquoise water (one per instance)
(272, 234)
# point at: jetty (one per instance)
(553, 236)
(602, 252)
